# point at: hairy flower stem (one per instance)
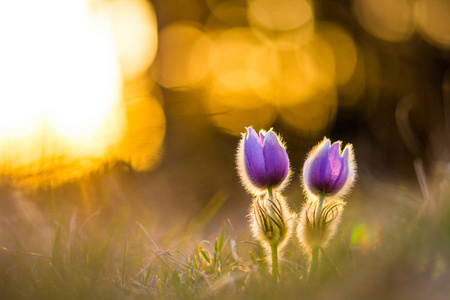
(319, 207)
(274, 250)
(273, 246)
(269, 190)
(314, 264)
(315, 250)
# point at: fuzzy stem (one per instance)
(274, 250)
(269, 190)
(315, 250)
(319, 207)
(314, 264)
(273, 245)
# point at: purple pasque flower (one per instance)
(262, 161)
(327, 171)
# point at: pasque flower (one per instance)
(328, 174)
(327, 171)
(263, 166)
(262, 161)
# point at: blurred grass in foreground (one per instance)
(106, 246)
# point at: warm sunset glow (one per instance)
(432, 19)
(343, 48)
(60, 84)
(284, 24)
(280, 15)
(311, 116)
(388, 20)
(139, 139)
(135, 31)
(240, 63)
(256, 76)
(142, 142)
(183, 53)
(231, 118)
(299, 75)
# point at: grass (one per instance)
(108, 251)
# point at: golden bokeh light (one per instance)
(143, 139)
(240, 63)
(241, 73)
(283, 24)
(302, 73)
(433, 21)
(385, 19)
(182, 56)
(233, 119)
(311, 117)
(343, 47)
(135, 32)
(352, 89)
(256, 77)
(232, 12)
(282, 15)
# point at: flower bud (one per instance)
(262, 161)
(327, 172)
(271, 220)
(315, 231)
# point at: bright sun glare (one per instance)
(58, 69)
(60, 82)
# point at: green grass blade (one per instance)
(124, 261)
(204, 254)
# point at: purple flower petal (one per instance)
(334, 166)
(262, 133)
(339, 174)
(276, 159)
(346, 155)
(254, 158)
(307, 174)
(347, 170)
(252, 133)
(317, 165)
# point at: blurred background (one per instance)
(131, 110)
